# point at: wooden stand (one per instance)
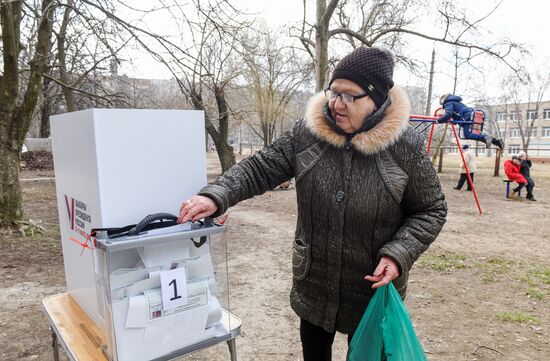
(76, 332)
(82, 340)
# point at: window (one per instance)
(453, 149)
(546, 114)
(532, 114)
(534, 132)
(546, 132)
(501, 117)
(514, 132)
(515, 115)
(513, 149)
(481, 150)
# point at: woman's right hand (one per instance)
(195, 208)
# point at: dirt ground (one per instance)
(481, 292)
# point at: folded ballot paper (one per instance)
(143, 328)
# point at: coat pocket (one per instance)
(307, 159)
(301, 260)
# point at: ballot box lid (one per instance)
(157, 236)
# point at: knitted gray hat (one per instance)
(371, 69)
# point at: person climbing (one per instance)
(455, 110)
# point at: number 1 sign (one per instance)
(174, 288)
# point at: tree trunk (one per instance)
(265, 131)
(455, 80)
(10, 189)
(321, 45)
(321, 54)
(224, 150)
(440, 144)
(240, 138)
(45, 110)
(430, 85)
(440, 165)
(497, 163)
(62, 58)
(45, 113)
(15, 118)
(226, 155)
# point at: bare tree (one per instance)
(16, 105)
(201, 60)
(275, 74)
(104, 34)
(206, 81)
(384, 23)
(527, 93)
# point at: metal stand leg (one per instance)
(55, 346)
(232, 349)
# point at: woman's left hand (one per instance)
(385, 272)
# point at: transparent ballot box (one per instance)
(164, 292)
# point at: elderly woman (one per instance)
(369, 200)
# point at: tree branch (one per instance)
(451, 42)
(351, 33)
(64, 85)
(329, 11)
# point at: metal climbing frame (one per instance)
(426, 122)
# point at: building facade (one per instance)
(523, 126)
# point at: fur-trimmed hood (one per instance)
(384, 134)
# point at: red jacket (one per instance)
(512, 172)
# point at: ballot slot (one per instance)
(188, 267)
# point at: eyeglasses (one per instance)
(344, 97)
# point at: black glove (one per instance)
(441, 121)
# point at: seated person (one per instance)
(511, 168)
(455, 110)
(525, 170)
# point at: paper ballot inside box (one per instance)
(142, 326)
(127, 282)
(139, 337)
(202, 311)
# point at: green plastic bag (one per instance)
(385, 331)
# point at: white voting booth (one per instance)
(113, 167)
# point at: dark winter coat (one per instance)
(525, 168)
(376, 196)
(512, 172)
(455, 109)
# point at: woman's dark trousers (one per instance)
(316, 342)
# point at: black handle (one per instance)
(150, 219)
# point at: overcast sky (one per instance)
(521, 21)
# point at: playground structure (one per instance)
(425, 122)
